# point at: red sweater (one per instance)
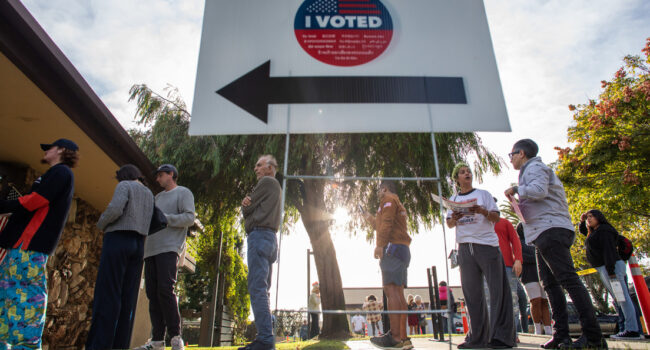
(508, 242)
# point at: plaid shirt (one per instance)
(373, 306)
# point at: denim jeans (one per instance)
(262, 253)
(523, 306)
(556, 271)
(628, 308)
(513, 281)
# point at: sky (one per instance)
(550, 53)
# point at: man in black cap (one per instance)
(161, 252)
(31, 235)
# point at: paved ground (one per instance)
(527, 342)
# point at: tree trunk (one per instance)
(597, 289)
(317, 221)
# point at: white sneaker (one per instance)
(177, 343)
(152, 345)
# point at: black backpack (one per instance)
(624, 247)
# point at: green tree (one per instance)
(164, 139)
(220, 170)
(608, 166)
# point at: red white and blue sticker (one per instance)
(343, 32)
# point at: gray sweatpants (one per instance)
(478, 261)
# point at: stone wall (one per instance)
(71, 273)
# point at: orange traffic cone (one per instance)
(465, 324)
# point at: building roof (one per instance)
(43, 98)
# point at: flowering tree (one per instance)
(608, 167)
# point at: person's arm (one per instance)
(513, 237)
(452, 218)
(371, 219)
(186, 207)
(610, 254)
(490, 215)
(536, 186)
(116, 207)
(265, 190)
(52, 185)
(583, 226)
(386, 222)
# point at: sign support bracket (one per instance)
(361, 178)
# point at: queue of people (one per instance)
(489, 249)
(34, 230)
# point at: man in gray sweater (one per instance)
(262, 211)
(548, 227)
(161, 252)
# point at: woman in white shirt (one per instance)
(478, 258)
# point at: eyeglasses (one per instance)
(511, 154)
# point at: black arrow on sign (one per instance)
(255, 90)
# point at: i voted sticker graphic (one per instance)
(343, 32)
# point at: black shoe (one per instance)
(584, 343)
(627, 335)
(498, 344)
(257, 345)
(556, 343)
(466, 345)
(387, 334)
(385, 342)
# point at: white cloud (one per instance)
(115, 44)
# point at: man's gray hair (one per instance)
(270, 160)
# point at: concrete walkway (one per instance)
(527, 342)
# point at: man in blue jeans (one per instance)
(262, 211)
(548, 226)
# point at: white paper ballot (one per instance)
(618, 290)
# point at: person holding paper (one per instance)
(602, 255)
(548, 227)
(478, 258)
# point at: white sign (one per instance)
(346, 66)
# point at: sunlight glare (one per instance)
(341, 216)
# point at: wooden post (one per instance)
(207, 339)
(432, 305)
(441, 328)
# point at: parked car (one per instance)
(608, 322)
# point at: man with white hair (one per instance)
(262, 214)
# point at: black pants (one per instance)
(556, 271)
(159, 278)
(315, 329)
(116, 291)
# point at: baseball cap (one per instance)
(168, 168)
(63, 143)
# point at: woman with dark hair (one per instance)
(125, 223)
(603, 256)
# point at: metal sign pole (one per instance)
(284, 196)
(442, 213)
